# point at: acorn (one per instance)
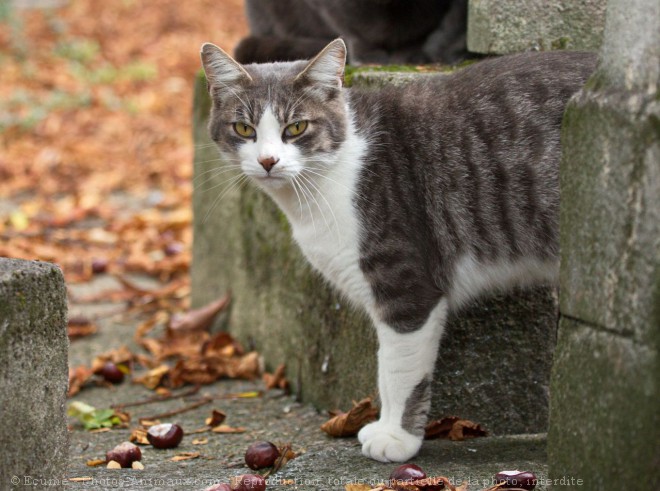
(166, 435)
(261, 454)
(407, 472)
(111, 373)
(516, 480)
(124, 454)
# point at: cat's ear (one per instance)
(220, 68)
(327, 68)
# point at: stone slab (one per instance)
(604, 419)
(495, 360)
(33, 375)
(510, 26)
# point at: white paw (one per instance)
(388, 443)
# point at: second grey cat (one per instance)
(410, 200)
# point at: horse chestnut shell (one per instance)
(248, 482)
(166, 435)
(406, 473)
(261, 454)
(516, 480)
(111, 373)
(124, 454)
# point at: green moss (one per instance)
(351, 71)
(563, 42)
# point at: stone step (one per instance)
(511, 26)
(494, 361)
(33, 375)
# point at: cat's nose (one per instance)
(268, 162)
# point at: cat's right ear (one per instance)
(327, 68)
(221, 69)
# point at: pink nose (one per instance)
(268, 162)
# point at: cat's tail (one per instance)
(255, 49)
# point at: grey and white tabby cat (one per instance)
(376, 31)
(410, 200)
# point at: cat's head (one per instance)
(277, 119)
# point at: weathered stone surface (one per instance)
(604, 425)
(33, 375)
(610, 221)
(604, 415)
(506, 26)
(495, 359)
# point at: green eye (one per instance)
(295, 129)
(244, 130)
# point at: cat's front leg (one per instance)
(405, 370)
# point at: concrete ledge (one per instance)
(33, 375)
(495, 359)
(510, 26)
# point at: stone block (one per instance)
(33, 375)
(495, 359)
(604, 419)
(510, 26)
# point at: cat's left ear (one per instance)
(327, 68)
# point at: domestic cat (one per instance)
(376, 31)
(410, 200)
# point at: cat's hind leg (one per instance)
(405, 371)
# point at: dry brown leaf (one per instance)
(453, 428)
(79, 327)
(200, 319)
(95, 462)
(80, 479)
(348, 424)
(185, 456)
(228, 429)
(200, 441)
(216, 418)
(153, 377)
(78, 376)
(139, 436)
(277, 379)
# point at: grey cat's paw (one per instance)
(388, 443)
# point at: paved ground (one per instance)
(324, 464)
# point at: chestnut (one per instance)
(405, 474)
(111, 373)
(516, 480)
(166, 435)
(248, 482)
(124, 454)
(261, 454)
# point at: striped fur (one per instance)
(410, 200)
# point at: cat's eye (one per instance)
(295, 129)
(244, 130)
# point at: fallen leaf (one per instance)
(185, 456)
(79, 327)
(96, 462)
(80, 479)
(139, 436)
(348, 424)
(228, 429)
(200, 319)
(453, 428)
(216, 418)
(277, 379)
(78, 377)
(153, 377)
(200, 441)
